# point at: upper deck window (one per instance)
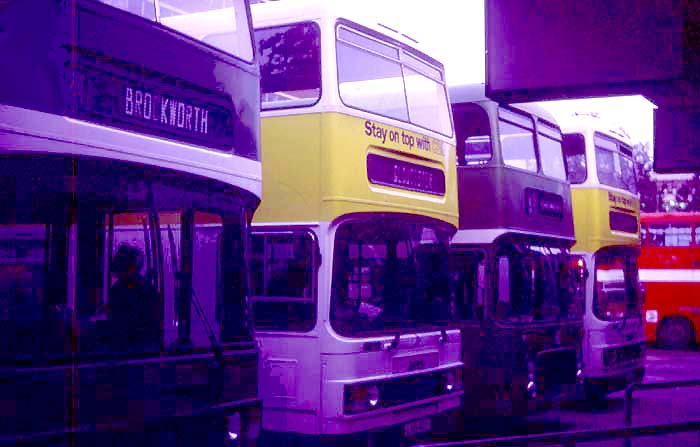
(667, 235)
(223, 24)
(382, 78)
(615, 166)
(517, 140)
(290, 65)
(473, 135)
(575, 155)
(551, 155)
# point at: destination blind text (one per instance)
(165, 110)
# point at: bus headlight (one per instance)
(234, 427)
(373, 396)
(531, 389)
(452, 380)
(361, 398)
(652, 316)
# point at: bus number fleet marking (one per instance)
(382, 133)
(165, 110)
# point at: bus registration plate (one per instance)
(414, 428)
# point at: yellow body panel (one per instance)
(315, 169)
(592, 208)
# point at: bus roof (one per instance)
(477, 92)
(274, 13)
(684, 217)
(584, 123)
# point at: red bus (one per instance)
(669, 269)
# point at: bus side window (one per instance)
(574, 146)
(672, 235)
(473, 135)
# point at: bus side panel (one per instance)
(290, 382)
(671, 299)
(292, 155)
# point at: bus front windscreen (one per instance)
(390, 275)
(616, 294)
(537, 284)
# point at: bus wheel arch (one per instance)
(675, 332)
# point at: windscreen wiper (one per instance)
(216, 347)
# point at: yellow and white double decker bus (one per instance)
(349, 252)
(606, 220)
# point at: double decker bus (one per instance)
(129, 173)
(350, 280)
(518, 289)
(606, 219)
(669, 271)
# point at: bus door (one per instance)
(284, 275)
(468, 277)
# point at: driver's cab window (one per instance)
(283, 278)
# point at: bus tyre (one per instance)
(675, 333)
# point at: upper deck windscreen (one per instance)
(387, 79)
(223, 24)
(522, 145)
(614, 163)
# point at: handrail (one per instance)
(574, 436)
(651, 386)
